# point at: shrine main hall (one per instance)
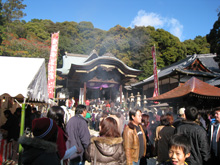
(92, 76)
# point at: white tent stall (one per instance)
(22, 78)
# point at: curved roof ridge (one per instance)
(92, 55)
(108, 57)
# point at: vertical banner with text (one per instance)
(156, 86)
(52, 65)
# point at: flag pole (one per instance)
(21, 129)
(157, 71)
(156, 83)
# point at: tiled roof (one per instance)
(214, 81)
(84, 60)
(193, 86)
(70, 59)
(206, 59)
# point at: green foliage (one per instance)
(21, 47)
(36, 28)
(213, 37)
(1, 21)
(170, 49)
(12, 10)
(197, 46)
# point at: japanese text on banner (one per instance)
(52, 65)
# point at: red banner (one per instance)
(156, 87)
(52, 65)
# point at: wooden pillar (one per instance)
(120, 95)
(84, 92)
(126, 99)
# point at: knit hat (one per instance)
(44, 128)
(181, 111)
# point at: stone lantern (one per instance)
(145, 102)
(131, 101)
(138, 103)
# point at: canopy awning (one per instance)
(23, 78)
(193, 86)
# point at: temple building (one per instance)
(92, 76)
(180, 83)
(201, 66)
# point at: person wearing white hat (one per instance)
(180, 118)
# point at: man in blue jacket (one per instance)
(78, 134)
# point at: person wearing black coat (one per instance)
(200, 149)
(11, 125)
(42, 148)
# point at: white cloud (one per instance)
(175, 27)
(152, 19)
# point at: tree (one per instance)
(36, 28)
(214, 37)
(1, 21)
(197, 46)
(170, 49)
(12, 10)
(21, 47)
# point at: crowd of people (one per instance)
(124, 137)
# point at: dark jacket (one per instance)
(12, 126)
(78, 134)
(163, 135)
(38, 151)
(131, 143)
(178, 121)
(200, 149)
(168, 162)
(108, 150)
(210, 136)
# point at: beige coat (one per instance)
(107, 150)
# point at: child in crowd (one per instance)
(179, 150)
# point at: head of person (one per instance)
(217, 114)
(181, 112)
(135, 115)
(179, 149)
(145, 120)
(164, 120)
(18, 111)
(34, 110)
(191, 113)
(27, 110)
(57, 114)
(81, 109)
(45, 128)
(109, 127)
(170, 118)
(7, 113)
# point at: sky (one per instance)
(185, 19)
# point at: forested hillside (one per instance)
(132, 46)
